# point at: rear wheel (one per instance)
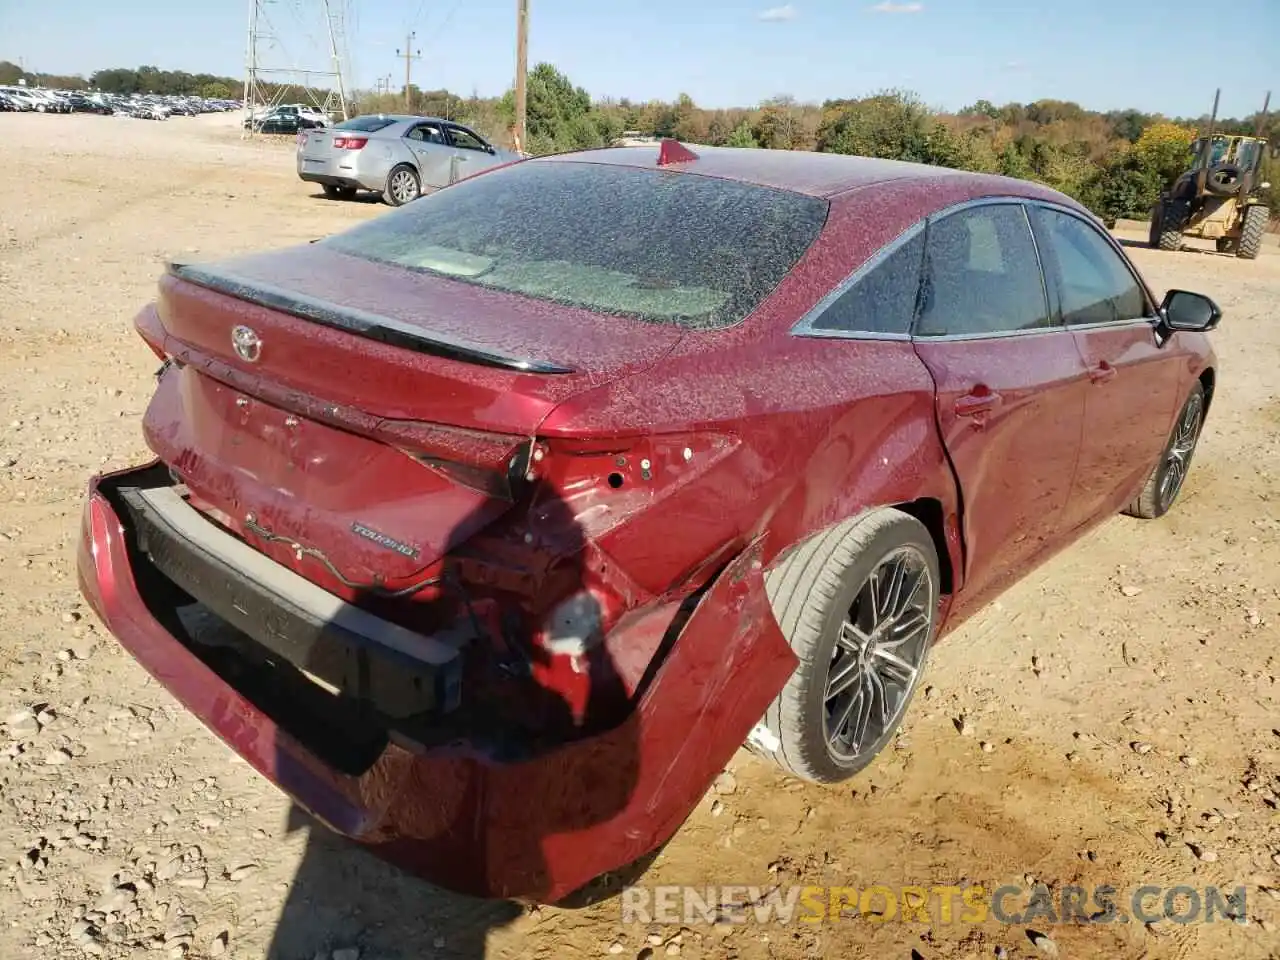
(858, 604)
(403, 186)
(1167, 476)
(1256, 218)
(1173, 214)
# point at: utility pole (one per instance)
(522, 69)
(409, 57)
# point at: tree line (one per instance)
(1114, 162)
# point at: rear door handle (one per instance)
(1102, 372)
(979, 401)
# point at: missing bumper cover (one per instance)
(399, 672)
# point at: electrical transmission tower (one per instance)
(288, 42)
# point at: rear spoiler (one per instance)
(360, 322)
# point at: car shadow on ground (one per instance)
(343, 897)
(369, 198)
(1144, 245)
(480, 824)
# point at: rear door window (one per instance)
(466, 140)
(981, 275)
(426, 133)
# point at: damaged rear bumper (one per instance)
(535, 829)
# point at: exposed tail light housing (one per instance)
(602, 483)
(349, 143)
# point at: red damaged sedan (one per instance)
(489, 529)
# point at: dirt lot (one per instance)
(1115, 719)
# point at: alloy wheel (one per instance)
(878, 655)
(1181, 447)
(403, 186)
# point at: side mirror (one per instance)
(1184, 310)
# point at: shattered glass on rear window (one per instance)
(691, 251)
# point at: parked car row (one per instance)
(14, 99)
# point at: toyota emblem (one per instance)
(247, 343)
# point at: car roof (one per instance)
(406, 117)
(800, 171)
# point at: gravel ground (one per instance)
(1114, 719)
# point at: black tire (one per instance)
(412, 189)
(1153, 237)
(1256, 218)
(331, 191)
(1173, 214)
(347, 193)
(1223, 180)
(816, 593)
(1161, 491)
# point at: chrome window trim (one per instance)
(806, 325)
(1110, 324)
(999, 335)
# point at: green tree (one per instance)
(893, 125)
(1126, 187)
(1012, 163)
(742, 136)
(558, 115)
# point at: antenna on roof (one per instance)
(673, 151)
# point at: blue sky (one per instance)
(1103, 53)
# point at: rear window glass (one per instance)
(364, 124)
(664, 247)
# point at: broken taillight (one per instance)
(604, 482)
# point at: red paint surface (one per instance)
(787, 435)
(538, 829)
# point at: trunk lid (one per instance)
(372, 420)
(316, 147)
(393, 343)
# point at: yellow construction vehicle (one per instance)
(1217, 198)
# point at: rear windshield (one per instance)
(671, 248)
(364, 124)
